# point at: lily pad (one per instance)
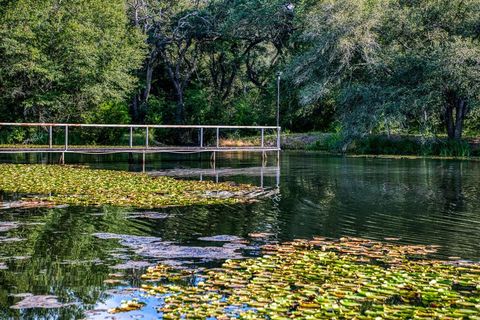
(221, 238)
(43, 302)
(345, 278)
(81, 186)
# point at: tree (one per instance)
(393, 62)
(175, 31)
(62, 58)
(216, 44)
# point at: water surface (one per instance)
(92, 258)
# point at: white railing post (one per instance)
(50, 137)
(146, 138)
(66, 137)
(218, 137)
(263, 137)
(201, 137)
(131, 137)
(278, 138)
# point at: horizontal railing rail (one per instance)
(18, 124)
(146, 146)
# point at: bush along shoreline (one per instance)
(397, 145)
(375, 145)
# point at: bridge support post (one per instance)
(213, 160)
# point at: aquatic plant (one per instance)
(126, 306)
(323, 279)
(83, 186)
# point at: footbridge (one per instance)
(57, 138)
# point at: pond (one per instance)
(78, 262)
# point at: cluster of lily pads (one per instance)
(323, 279)
(83, 186)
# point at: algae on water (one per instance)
(76, 185)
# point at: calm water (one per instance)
(71, 252)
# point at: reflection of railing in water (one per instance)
(260, 172)
(146, 147)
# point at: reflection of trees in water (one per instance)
(450, 183)
(383, 198)
(63, 260)
(186, 224)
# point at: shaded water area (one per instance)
(81, 261)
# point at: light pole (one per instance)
(279, 76)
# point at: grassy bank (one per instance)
(408, 145)
(322, 279)
(83, 186)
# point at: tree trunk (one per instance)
(134, 109)
(180, 112)
(455, 111)
(148, 83)
(461, 112)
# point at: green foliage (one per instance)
(156, 108)
(380, 67)
(113, 112)
(380, 145)
(452, 148)
(61, 59)
(386, 145)
(392, 61)
(106, 113)
(17, 135)
(331, 142)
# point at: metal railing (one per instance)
(146, 147)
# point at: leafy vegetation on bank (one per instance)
(395, 145)
(320, 279)
(381, 67)
(84, 186)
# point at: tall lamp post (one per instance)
(279, 77)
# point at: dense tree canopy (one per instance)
(60, 59)
(392, 63)
(361, 66)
